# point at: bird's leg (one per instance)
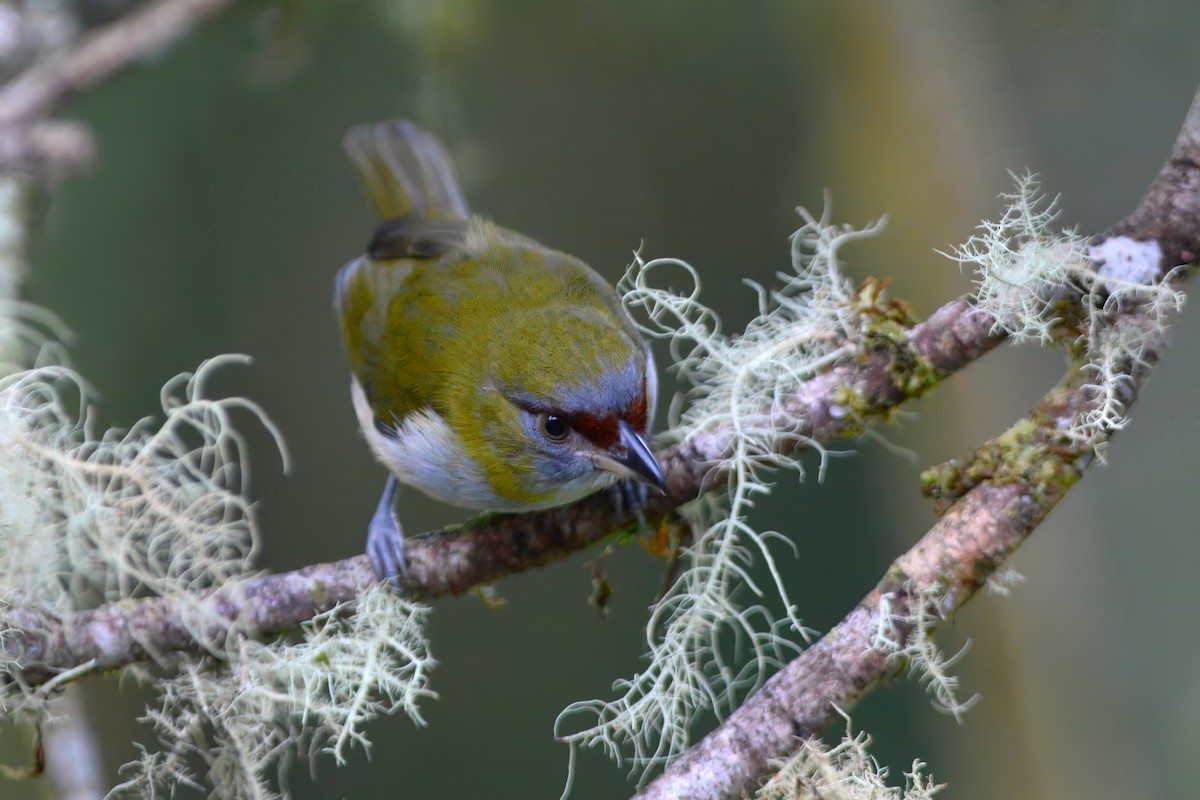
(385, 541)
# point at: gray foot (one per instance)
(385, 540)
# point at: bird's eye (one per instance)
(555, 427)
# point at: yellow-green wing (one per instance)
(387, 335)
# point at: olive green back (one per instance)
(494, 308)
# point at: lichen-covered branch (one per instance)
(999, 497)
(836, 403)
(48, 58)
(954, 558)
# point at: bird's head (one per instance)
(567, 405)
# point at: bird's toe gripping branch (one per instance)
(385, 540)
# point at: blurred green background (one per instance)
(220, 207)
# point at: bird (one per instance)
(488, 371)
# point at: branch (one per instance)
(491, 547)
(985, 525)
(40, 89)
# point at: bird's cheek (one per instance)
(547, 469)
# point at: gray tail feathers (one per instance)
(405, 170)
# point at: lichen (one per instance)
(907, 638)
(811, 321)
(93, 516)
(1046, 285)
(845, 771)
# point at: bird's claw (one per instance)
(630, 497)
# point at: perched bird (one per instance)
(487, 370)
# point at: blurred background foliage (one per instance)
(220, 207)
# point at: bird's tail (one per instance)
(406, 171)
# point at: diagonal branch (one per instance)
(1031, 469)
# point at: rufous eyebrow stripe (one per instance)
(600, 431)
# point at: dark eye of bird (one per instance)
(555, 428)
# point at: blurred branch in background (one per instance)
(74, 766)
(51, 55)
(98, 55)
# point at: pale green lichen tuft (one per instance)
(909, 639)
(91, 516)
(270, 703)
(846, 771)
(1002, 582)
(738, 385)
(1021, 263)
(1024, 271)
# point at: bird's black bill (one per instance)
(633, 459)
